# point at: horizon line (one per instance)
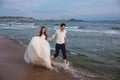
(64, 18)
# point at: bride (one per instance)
(38, 50)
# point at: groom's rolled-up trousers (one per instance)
(61, 47)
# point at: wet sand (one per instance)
(13, 66)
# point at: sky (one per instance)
(62, 9)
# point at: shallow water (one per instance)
(93, 45)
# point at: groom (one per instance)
(61, 38)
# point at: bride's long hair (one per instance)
(40, 33)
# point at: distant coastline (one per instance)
(30, 19)
(16, 19)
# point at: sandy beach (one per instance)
(13, 66)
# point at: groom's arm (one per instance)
(66, 40)
(53, 36)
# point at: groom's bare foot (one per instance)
(53, 62)
(66, 66)
(65, 61)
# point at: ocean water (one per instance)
(93, 45)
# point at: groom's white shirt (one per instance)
(60, 35)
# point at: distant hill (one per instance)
(16, 19)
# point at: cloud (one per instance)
(59, 8)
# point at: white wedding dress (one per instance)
(38, 52)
